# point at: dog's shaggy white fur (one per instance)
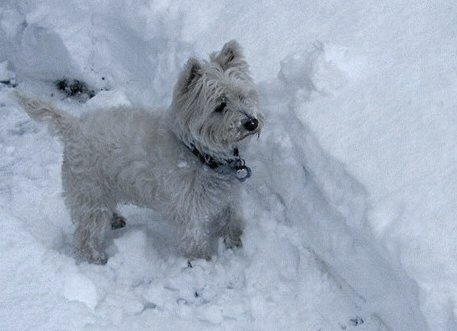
(184, 162)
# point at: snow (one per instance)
(351, 204)
(79, 288)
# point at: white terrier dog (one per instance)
(184, 162)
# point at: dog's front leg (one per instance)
(195, 238)
(231, 227)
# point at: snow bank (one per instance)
(350, 207)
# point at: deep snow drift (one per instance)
(351, 208)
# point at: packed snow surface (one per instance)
(351, 210)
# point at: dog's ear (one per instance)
(230, 56)
(191, 73)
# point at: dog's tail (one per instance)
(61, 124)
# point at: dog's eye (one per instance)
(221, 107)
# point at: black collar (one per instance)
(205, 158)
(234, 166)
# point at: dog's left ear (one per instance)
(230, 56)
(190, 74)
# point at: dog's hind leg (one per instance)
(89, 237)
(92, 211)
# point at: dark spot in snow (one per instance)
(74, 88)
(181, 301)
(9, 82)
(23, 127)
(357, 321)
(149, 305)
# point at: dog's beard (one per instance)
(221, 146)
(247, 135)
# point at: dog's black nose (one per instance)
(251, 124)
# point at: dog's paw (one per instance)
(101, 260)
(197, 250)
(231, 243)
(232, 239)
(92, 257)
(90, 251)
(96, 257)
(197, 256)
(117, 222)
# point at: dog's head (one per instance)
(215, 103)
